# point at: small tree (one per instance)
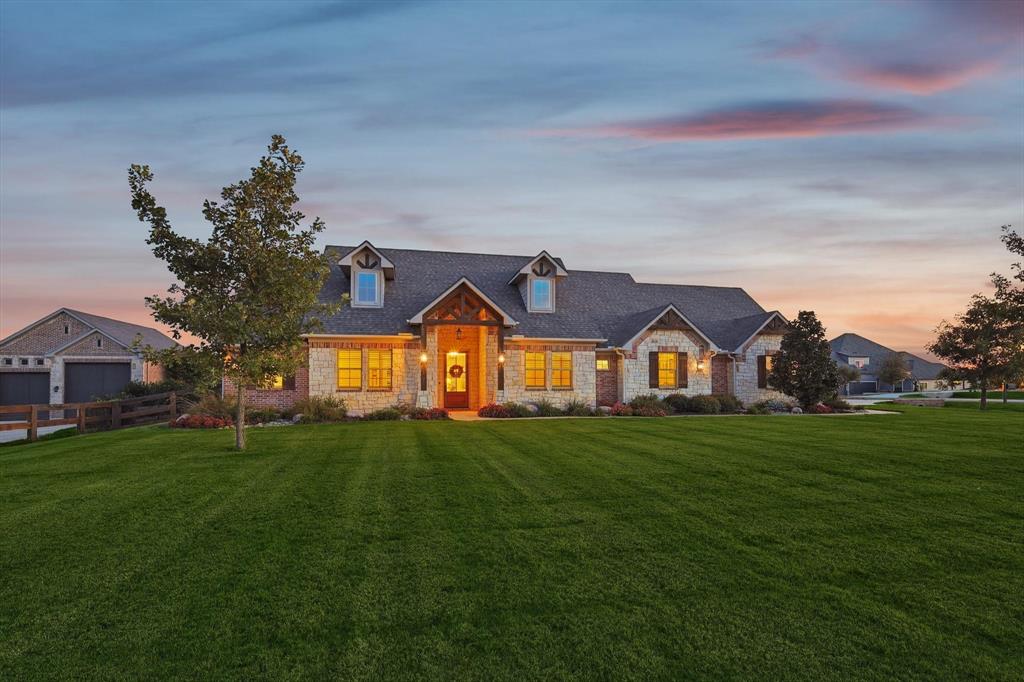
(847, 375)
(250, 291)
(894, 370)
(804, 368)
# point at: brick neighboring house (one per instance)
(460, 330)
(868, 356)
(70, 356)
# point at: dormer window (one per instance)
(367, 289)
(541, 295)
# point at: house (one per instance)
(868, 356)
(70, 356)
(461, 330)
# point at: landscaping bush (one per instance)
(621, 410)
(577, 408)
(494, 411)
(546, 408)
(774, 405)
(429, 414)
(730, 404)
(705, 404)
(199, 421)
(518, 410)
(212, 405)
(758, 408)
(386, 414)
(320, 409)
(679, 403)
(649, 401)
(262, 415)
(820, 408)
(838, 404)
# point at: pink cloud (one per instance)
(918, 78)
(800, 118)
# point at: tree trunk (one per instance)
(1005, 393)
(984, 395)
(240, 418)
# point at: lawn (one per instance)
(872, 547)
(993, 394)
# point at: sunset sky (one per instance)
(856, 159)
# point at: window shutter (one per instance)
(682, 371)
(289, 383)
(762, 372)
(652, 359)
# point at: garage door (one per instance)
(859, 387)
(84, 381)
(29, 388)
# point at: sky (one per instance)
(855, 159)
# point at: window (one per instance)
(8, 361)
(535, 370)
(276, 382)
(540, 295)
(350, 369)
(67, 329)
(602, 365)
(99, 342)
(24, 361)
(39, 362)
(561, 370)
(769, 362)
(378, 362)
(366, 289)
(667, 370)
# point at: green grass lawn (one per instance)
(994, 394)
(877, 547)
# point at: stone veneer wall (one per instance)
(584, 375)
(323, 374)
(636, 375)
(746, 371)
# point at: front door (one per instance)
(456, 380)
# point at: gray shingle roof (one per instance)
(125, 332)
(850, 345)
(590, 305)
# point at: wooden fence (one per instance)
(109, 414)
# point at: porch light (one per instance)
(501, 359)
(458, 332)
(423, 358)
(700, 365)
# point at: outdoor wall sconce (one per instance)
(458, 332)
(501, 359)
(423, 358)
(700, 365)
(501, 371)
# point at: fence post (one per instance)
(174, 405)
(81, 419)
(33, 423)
(115, 416)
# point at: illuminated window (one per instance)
(535, 370)
(561, 370)
(667, 370)
(378, 364)
(540, 295)
(350, 369)
(769, 361)
(602, 365)
(275, 382)
(366, 289)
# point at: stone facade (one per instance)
(323, 374)
(636, 364)
(584, 375)
(745, 381)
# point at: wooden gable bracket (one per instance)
(368, 263)
(462, 307)
(671, 321)
(775, 325)
(542, 269)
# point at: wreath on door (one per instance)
(455, 371)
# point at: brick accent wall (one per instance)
(45, 337)
(608, 380)
(280, 399)
(87, 346)
(720, 369)
(746, 369)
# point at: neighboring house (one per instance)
(868, 356)
(461, 330)
(70, 356)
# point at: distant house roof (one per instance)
(846, 346)
(590, 305)
(125, 332)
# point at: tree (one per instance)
(847, 375)
(894, 370)
(1012, 297)
(804, 368)
(190, 368)
(249, 292)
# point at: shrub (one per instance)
(429, 414)
(212, 405)
(199, 421)
(648, 401)
(679, 403)
(494, 411)
(621, 410)
(705, 404)
(773, 405)
(262, 416)
(518, 410)
(820, 408)
(838, 404)
(577, 408)
(385, 414)
(758, 408)
(650, 411)
(546, 408)
(730, 404)
(319, 409)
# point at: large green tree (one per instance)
(804, 368)
(894, 370)
(249, 292)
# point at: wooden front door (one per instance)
(456, 380)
